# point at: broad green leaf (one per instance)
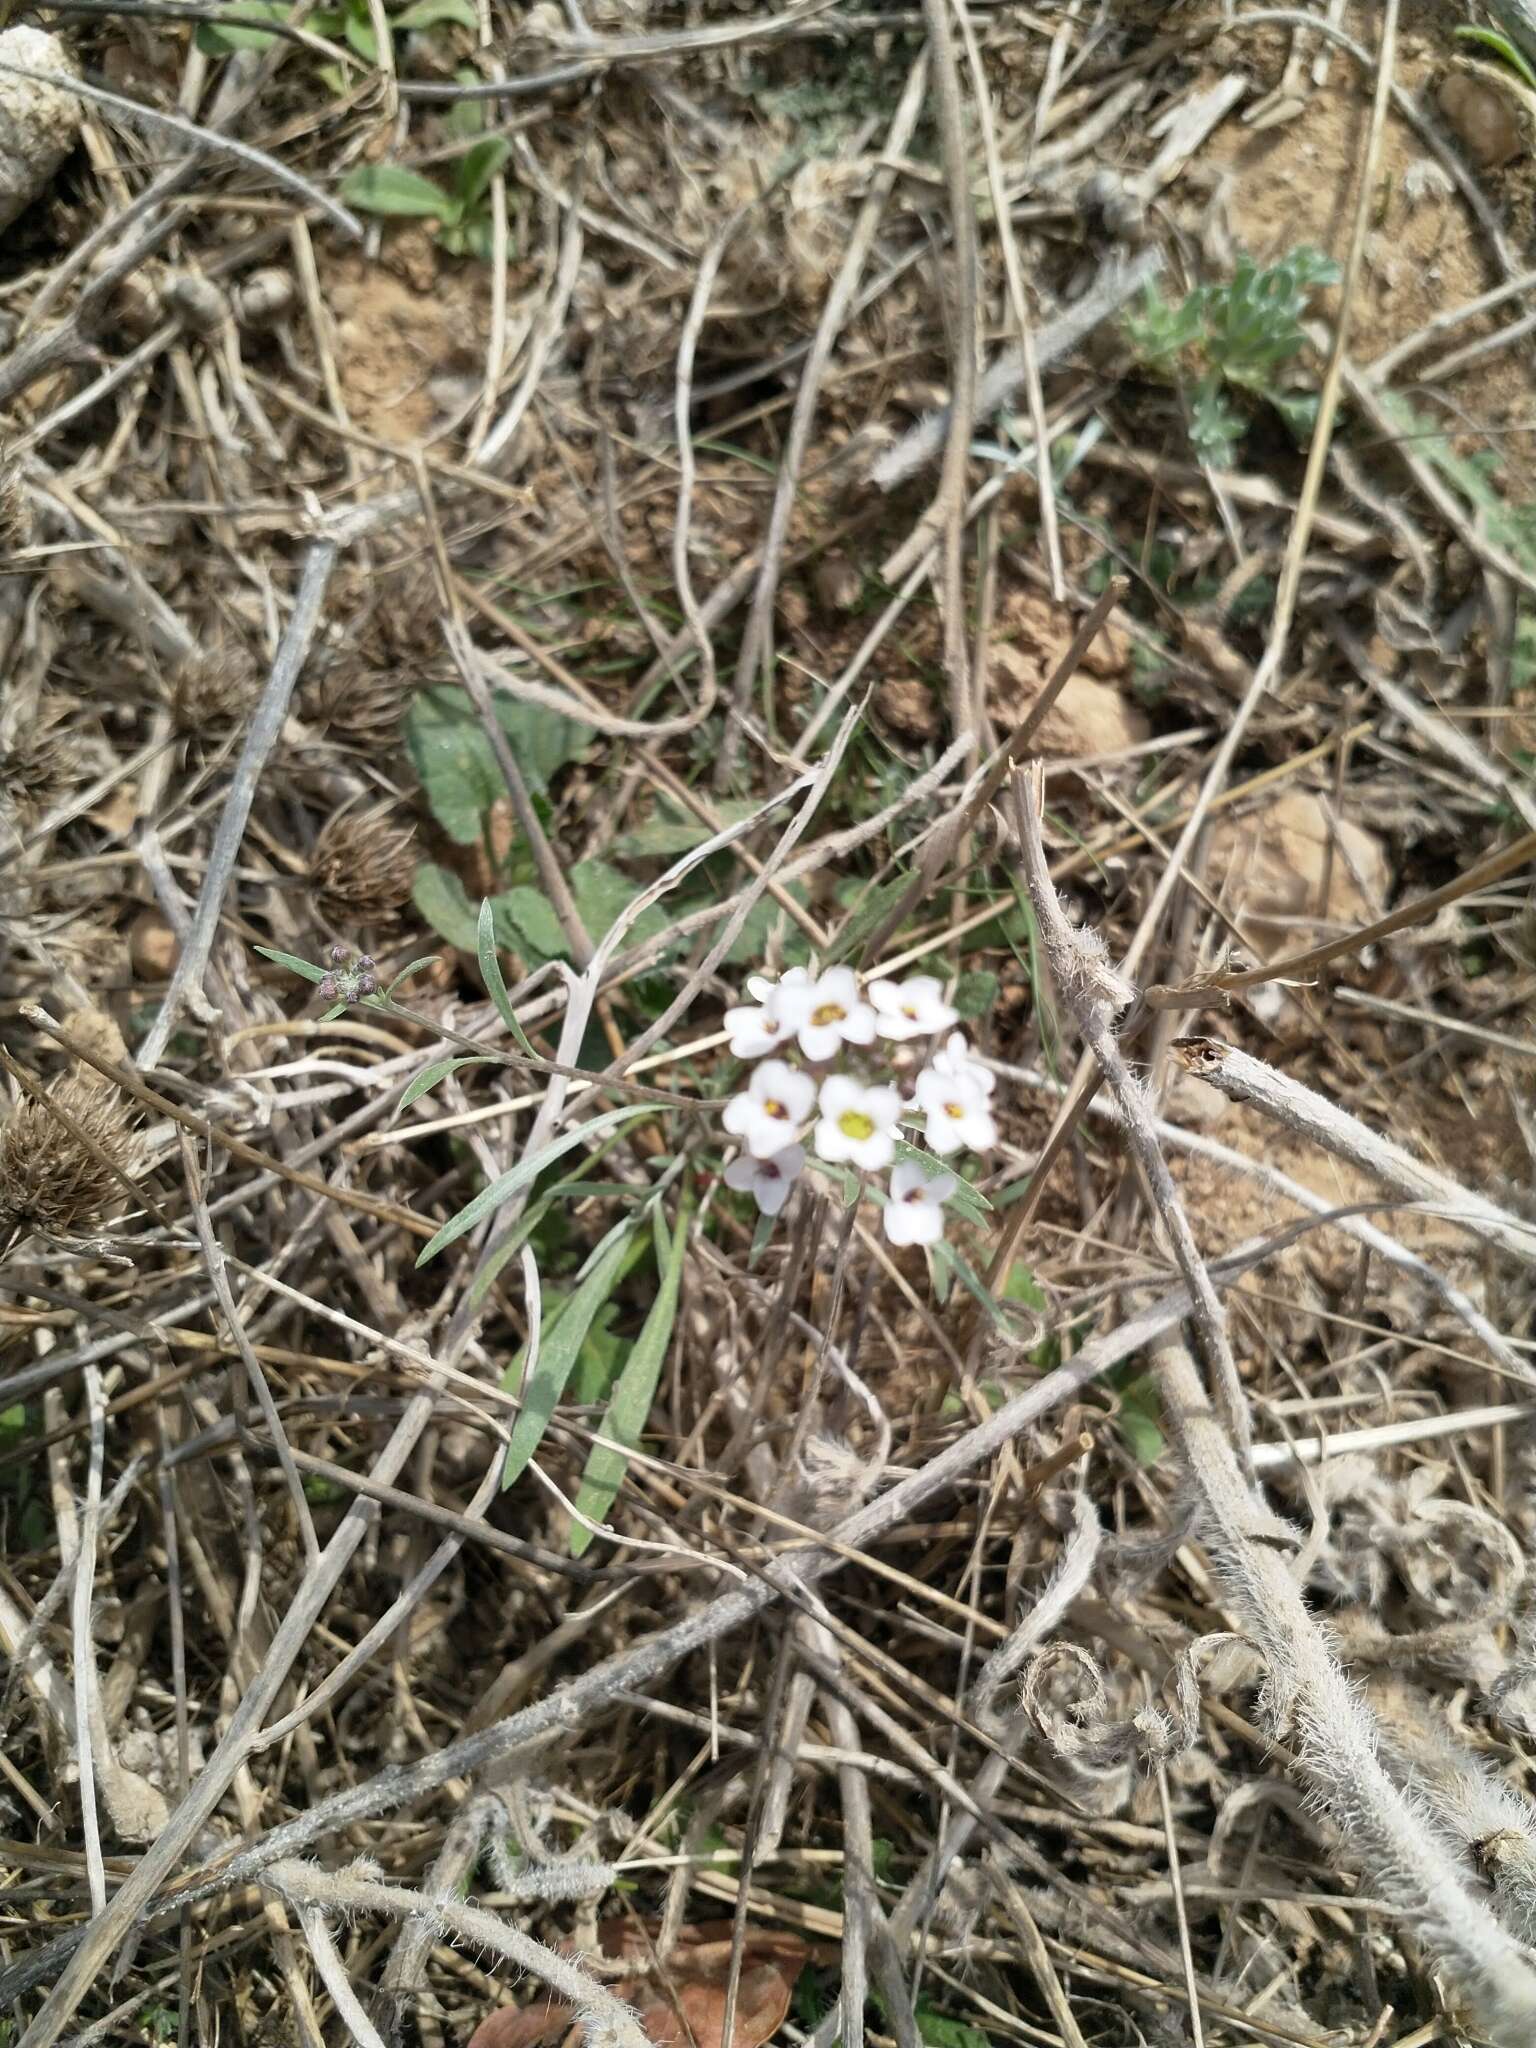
(533, 926)
(440, 897)
(632, 1397)
(937, 2030)
(391, 189)
(454, 760)
(360, 33)
(477, 168)
(602, 893)
(439, 1070)
(293, 963)
(507, 1184)
(975, 993)
(559, 1350)
(1139, 1418)
(429, 13)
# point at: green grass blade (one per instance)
(632, 1396)
(507, 1184)
(560, 1349)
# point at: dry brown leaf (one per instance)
(682, 2006)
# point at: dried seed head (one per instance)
(41, 763)
(211, 692)
(360, 707)
(15, 510)
(58, 1180)
(363, 868)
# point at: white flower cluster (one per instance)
(857, 1121)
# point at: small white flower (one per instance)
(834, 1014)
(769, 1024)
(858, 1124)
(957, 1059)
(914, 1008)
(767, 1181)
(770, 1116)
(915, 1212)
(955, 1106)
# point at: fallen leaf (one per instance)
(683, 2005)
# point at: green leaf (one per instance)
(1495, 40)
(603, 894)
(1139, 1418)
(217, 39)
(391, 189)
(975, 993)
(491, 975)
(559, 1349)
(478, 167)
(293, 963)
(937, 2030)
(439, 1070)
(413, 967)
(429, 13)
(600, 1359)
(440, 897)
(535, 929)
(466, 117)
(507, 1184)
(359, 31)
(453, 757)
(632, 1397)
(965, 1200)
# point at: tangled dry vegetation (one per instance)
(516, 524)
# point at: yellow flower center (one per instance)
(829, 1013)
(777, 1109)
(954, 1109)
(853, 1123)
(909, 1011)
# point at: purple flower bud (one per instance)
(338, 956)
(367, 986)
(325, 988)
(364, 962)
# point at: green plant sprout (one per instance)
(1239, 334)
(463, 215)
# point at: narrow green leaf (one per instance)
(429, 13)
(391, 189)
(412, 967)
(507, 1184)
(439, 1070)
(632, 1397)
(477, 168)
(495, 983)
(1495, 40)
(559, 1351)
(293, 963)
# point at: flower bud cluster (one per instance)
(349, 979)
